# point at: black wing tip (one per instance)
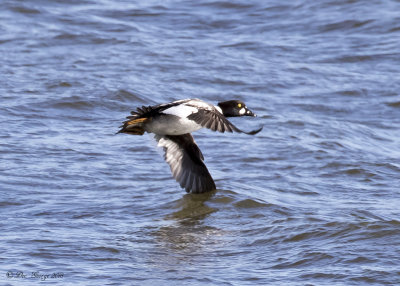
(253, 132)
(197, 184)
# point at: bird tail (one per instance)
(133, 125)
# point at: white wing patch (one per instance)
(219, 109)
(181, 110)
(200, 104)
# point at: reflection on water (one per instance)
(186, 235)
(192, 207)
(186, 230)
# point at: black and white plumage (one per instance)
(172, 124)
(186, 162)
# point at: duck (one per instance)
(172, 124)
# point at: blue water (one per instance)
(311, 200)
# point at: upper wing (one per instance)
(146, 111)
(214, 120)
(135, 121)
(186, 162)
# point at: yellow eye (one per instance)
(239, 105)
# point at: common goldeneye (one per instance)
(172, 124)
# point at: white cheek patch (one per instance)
(242, 111)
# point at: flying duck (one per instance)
(172, 124)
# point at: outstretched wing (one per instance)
(186, 162)
(135, 121)
(214, 120)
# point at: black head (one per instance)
(232, 108)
